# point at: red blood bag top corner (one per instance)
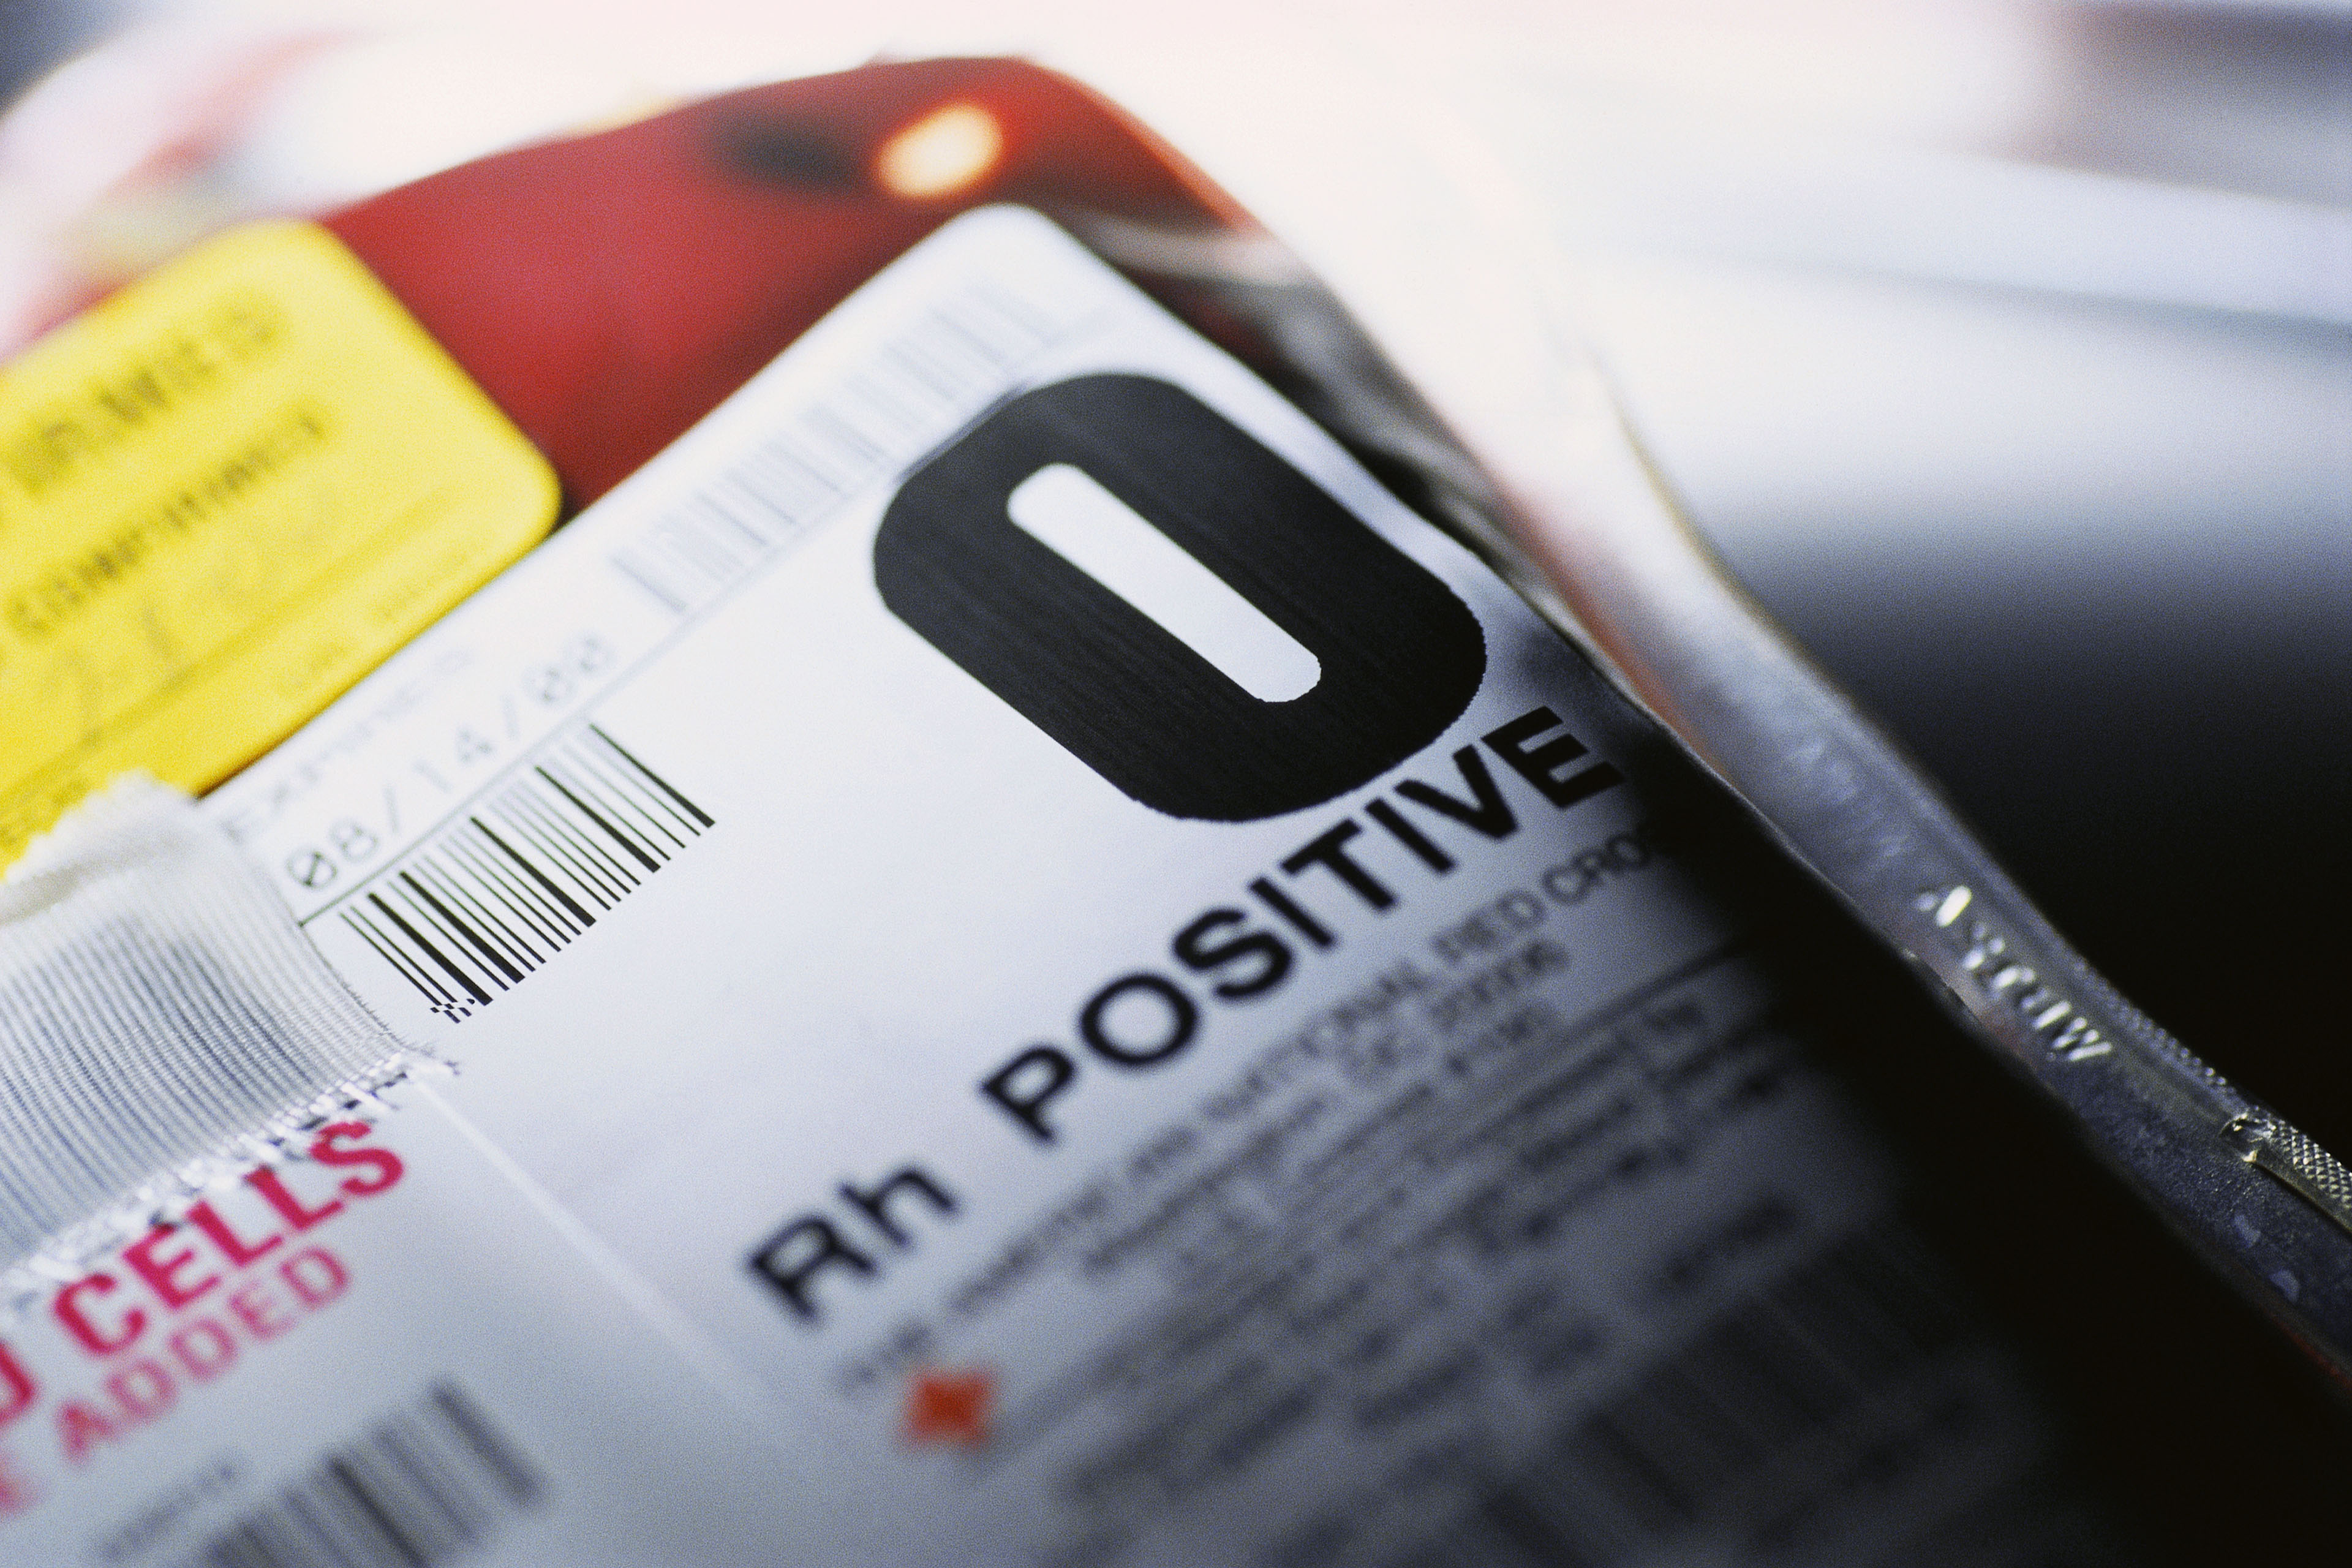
(608, 291)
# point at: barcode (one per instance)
(492, 898)
(897, 405)
(418, 1490)
(1791, 1362)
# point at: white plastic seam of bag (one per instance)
(163, 1024)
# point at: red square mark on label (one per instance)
(949, 1406)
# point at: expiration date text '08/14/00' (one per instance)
(455, 765)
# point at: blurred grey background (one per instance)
(2018, 383)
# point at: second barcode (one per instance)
(492, 898)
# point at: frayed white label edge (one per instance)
(46, 874)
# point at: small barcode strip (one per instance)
(418, 1490)
(1790, 1362)
(917, 389)
(492, 898)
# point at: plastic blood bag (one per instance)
(1058, 872)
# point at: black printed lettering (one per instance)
(1299, 920)
(874, 1202)
(1170, 1021)
(1486, 812)
(1543, 765)
(1028, 1083)
(1411, 838)
(791, 1260)
(1328, 850)
(1398, 654)
(1199, 948)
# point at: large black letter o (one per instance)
(1400, 656)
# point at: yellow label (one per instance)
(226, 494)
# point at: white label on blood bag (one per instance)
(383, 1352)
(1144, 1001)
